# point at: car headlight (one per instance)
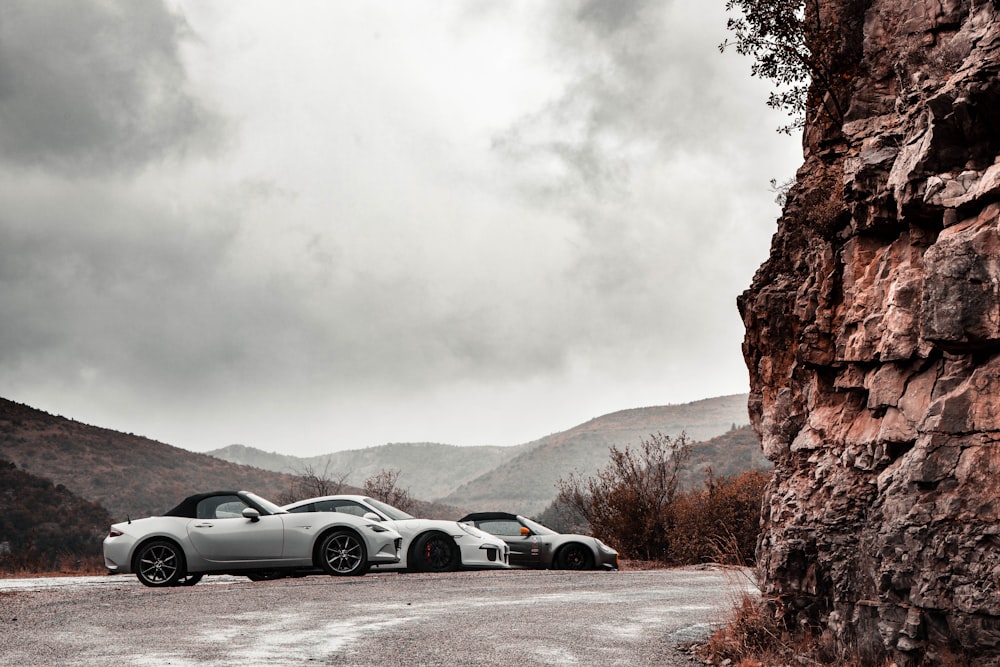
(377, 528)
(471, 530)
(604, 547)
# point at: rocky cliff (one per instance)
(873, 343)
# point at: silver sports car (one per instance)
(429, 545)
(236, 532)
(534, 545)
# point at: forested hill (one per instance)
(127, 474)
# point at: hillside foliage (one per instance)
(45, 527)
(127, 474)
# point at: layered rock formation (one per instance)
(873, 344)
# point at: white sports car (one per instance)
(236, 532)
(429, 545)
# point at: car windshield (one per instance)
(266, 505)
(537, 528)
(389, 510)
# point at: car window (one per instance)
(506, 527)
(308, 507)
(221, 507)
(345, 506)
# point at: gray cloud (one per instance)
(393, 289)
(97, 86)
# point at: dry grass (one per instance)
(65, 567)
(625, 564)
(752, 636)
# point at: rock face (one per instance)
(873, 344)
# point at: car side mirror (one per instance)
(525, 532)
(252, 514)
(371, 516)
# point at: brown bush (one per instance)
(627, 503)
(721, 522)
(635, 505)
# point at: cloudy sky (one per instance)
(319, 225)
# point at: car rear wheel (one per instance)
(575, 557)
(159, 563)
(434, 552)
(343, 553)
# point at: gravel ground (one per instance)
(466, 618)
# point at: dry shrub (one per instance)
(384, 486)
(628, 503)
(720, 522)
(635, 505)
(753, 636)
(750, 635)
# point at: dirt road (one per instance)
(468, 618)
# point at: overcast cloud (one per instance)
(314, 226)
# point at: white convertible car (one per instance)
(429, 545)
(236, 532)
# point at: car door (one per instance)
(525, 550)
(222, 534)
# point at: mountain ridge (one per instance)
(520, 477)
(130, 475)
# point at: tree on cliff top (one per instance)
(793, 47)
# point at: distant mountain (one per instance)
(134, 476)
(127, 474)
(523, 477)
(527, 483)
(428, 470)
(728, 454)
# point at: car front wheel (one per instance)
(575, 557)
(159, 563)
(190, 580)
(343, 553)
(434, 552)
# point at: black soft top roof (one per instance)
(188, 507)
(486, 516)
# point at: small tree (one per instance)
(383, 486)
(313, 483)
(628, 503)
(795, 48)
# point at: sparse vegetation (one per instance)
(627, 504)
(313, 483)
(754, 637)
(383, 486)
(636, 504)
(801, 53)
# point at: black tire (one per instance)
(434, 552)
(575, 557)
(342, 553)
(190, 579)
(159, 563)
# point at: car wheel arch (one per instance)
(318, 542)
(351, 562)
(182, 568)
(413, 563)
